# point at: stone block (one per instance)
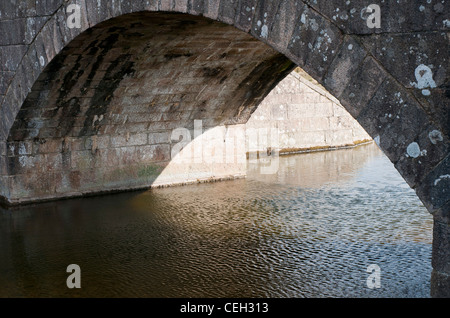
(18, 188)
(246, 13)
(49, 163)
(13, 32)
(337, 138)
(3, 165)
(98, 11)
(228, 11)
(158, 138)
(109, 157)
(3, 148)
(10, 57)
(129, 140)
(279, 112)
(323, 110)
(341, 122)
(284, 14)
(47, 7)
(5, 81)
(345, 64)
(439, 285)
(408, 56)
(392, 112)
(4, 188)
(433, 146)
(154, 153)
(440, 258)
(314, 43)
(363, 84)
(434, 189)
(82, 160)
(8, 10)
(51, 145)
(179, 5)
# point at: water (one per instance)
(311, 230)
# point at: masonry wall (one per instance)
(300, 115)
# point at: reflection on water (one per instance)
(309, 231)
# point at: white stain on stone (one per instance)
(22, 149)
(421, 8)
(446, 23)
(413, 150)
(314, 25)
(303, 18)
(26, 161)
(264, 31)
(445, 176)
(424, 78)
(435, 136)
(42, 60)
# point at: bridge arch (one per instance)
(393, 80)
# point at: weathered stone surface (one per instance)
(47, 7)
(433, 146)
(440, 285)
(344, 65)
(441, 246)
(315, 41)
(440, 278)
(362, 86)
(396, 15)
(434, 190)
(12, 32)
(401, 54)
(5, 80)
(395, 117)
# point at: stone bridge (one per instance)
(90, 90)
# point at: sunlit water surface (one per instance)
(311, 230)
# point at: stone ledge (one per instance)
(11, 204)
(291, 151)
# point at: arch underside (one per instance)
(100, 116)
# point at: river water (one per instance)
(310, 230)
